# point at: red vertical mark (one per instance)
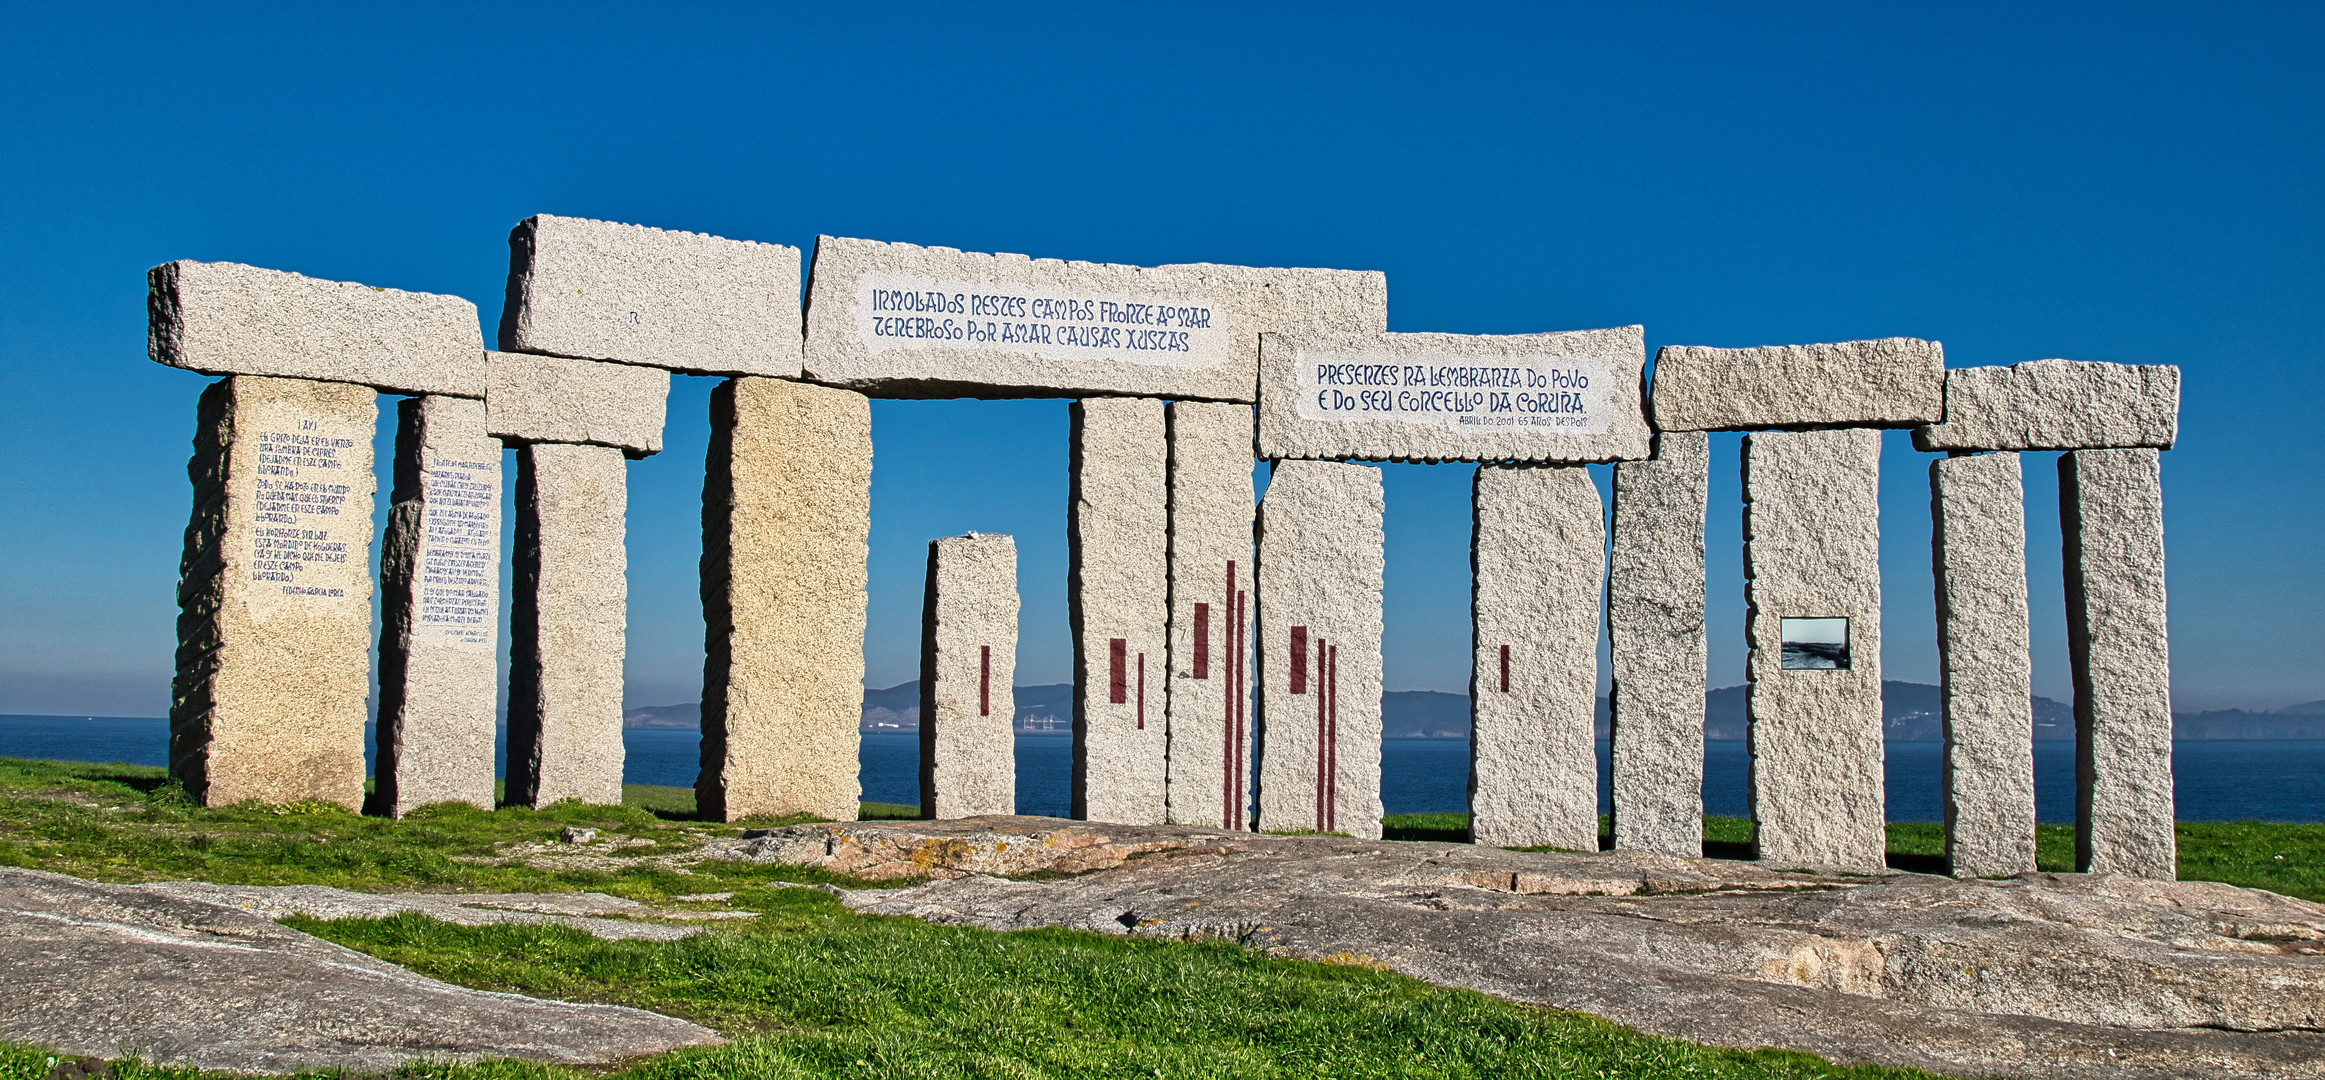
(1202, 641)
(1299, 659)
(1242, 702)
(1505, 669)
(1142, 691)
(1227, 713)
(1118, 671)
(1332, 785)
(1321, 645)
(984, 680)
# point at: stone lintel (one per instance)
(1985, 675)
(1320, 577)
(1538, 550)
(1882, 383)
(274, 594)
(1655, 639)
(439, 666)
(229, 319)
(1209, 699)
(680, 301)
(968, 659)
(556, 399)
(1572, 396)
(567, 626)
(2118, 649)
(2057, 405)
(786, 510)
(1118, 608)
(1812, 547)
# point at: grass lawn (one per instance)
(811, 989)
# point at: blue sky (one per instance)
(2105, 182)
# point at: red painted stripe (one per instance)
(1118, 671)
(1332, 786)
(1227, 715)
(984, 680)
(1202, 641)
(1299, 659)
(1322, 738)
(1505, 669)
(1142, 691)
(1242, 704)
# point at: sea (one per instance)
(2213, 780)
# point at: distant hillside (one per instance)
(1911, 712)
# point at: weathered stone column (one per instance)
(1211, 516)
(2111, 514)
(577, 421)
(1538, 566)
(1320, 577)
(274, 595)
(786, 525)
(1655, 639)
(968, 658)
(1118, 606)
(1812, 552)
(1978, 512)
(440, 571)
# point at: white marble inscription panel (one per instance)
(899, 311)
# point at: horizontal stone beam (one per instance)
(682, 301)
(2057, 405)
(900, 320)
(1886, 382)
(556, 399)
(1561, 397)
(229, 319)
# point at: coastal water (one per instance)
(2214, 781)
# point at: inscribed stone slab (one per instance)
(1561, 397)
(680, 301)
(1118, 608)
(1211, 519)
(1655, 638)
(1812, 546)
(1887, 382)
(1538, 559)
(2057, 405)
(274, 595)
(1985, 676)
(440, 576)
(900, 320)
(2111, 510)
(786, 526)
(559, 399)
(230, 319)
(567, 626)
(1320, 575)
(968, 660)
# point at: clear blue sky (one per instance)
(2106, 182)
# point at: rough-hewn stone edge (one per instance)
(1723, 374)
(2001, 407)
(170, 342)
(1284, 435)
(528, 400)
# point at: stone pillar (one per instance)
(1978, 513)
(1211, 516)
(274, 594)
(786, 525)
(968, 657)
(1812, 539)
(1538, 564)
(2111, 514)
(1320, 569)
(440, 572)
(1118, 605)
(567, 625)
(1655, 639)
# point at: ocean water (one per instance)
(2214, 781)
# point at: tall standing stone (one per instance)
(1211, 517)
(567, 625)
(1978, 511)
(968, 657)
(786, 525)
(1320, 578)
(440, 576)
(1812, 539)
(1655, 638)
(2111, 515)
(1118, 605)
(1538, 565)
(274, 595)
